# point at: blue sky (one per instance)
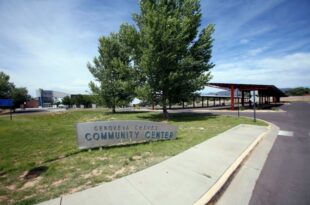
(47, 43)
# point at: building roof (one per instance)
(266, 90)
(217, 96)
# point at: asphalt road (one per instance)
(285, 178)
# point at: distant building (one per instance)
(47, 98)
(32, 104)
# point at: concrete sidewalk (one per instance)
(191, 177)
(242, 185)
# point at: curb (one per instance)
(206, 198)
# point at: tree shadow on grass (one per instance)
(179, 117)
(63, 157)
(35, 172)
(126, 112)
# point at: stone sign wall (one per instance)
(107, 133)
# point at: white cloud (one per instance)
(237, 13)
(283, 71)
(256, 51)
(244, 41)
(47, 44)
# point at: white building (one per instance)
(47, 98)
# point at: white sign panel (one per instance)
(107, 133)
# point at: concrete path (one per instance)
(191, 177)
(285, 177)
(241, 187)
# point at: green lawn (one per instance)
(39, 159)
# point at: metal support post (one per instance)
(254, 106)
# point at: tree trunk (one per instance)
(165, 111)
(153, 103)
(114, 105)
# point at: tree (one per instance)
(8, 90)
(113, 70)
(77, 99)
(299, 91)
(173, 59)
(20, 95)
(86, 100)
(6, 87)
(67, 101)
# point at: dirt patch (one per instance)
(31, 183)
(3, 198)
(94, 173)
(102, 158)
(137, 157)
(58, 182)
(11, 187)
(61, 156)
(86, 176)
(29, 196)
(76, 189)
(117, 173)
(22, 176)
(132, 169)
(120, 171)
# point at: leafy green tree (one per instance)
(67, 101)
(144, 93)
(113, 70)
(8, 90)
(172, 56)
(6, 87)
(77, 99)
(87, 100)
(20, 95)
(299, 91)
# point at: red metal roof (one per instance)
(267, 90)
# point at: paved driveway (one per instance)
(285, 178)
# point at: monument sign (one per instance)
(107, 133)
